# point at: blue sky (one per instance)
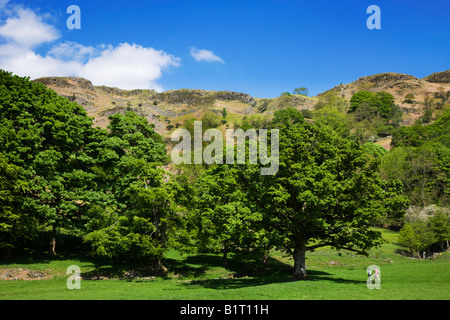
(260, 47)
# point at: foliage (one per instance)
(15, 224)
(419, 235)
(210, 120)
(334, 118)
(223, 212)
(326, 192)
(416, 237)
(224, 113)
(302, 91)
(50, 139)
(135, 135)
(144, 205)
(421, 159)
(287, 116)
(331, 99)
(144, 230)
(366, 104)
(61, 173)
(418, 135)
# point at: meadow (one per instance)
(332, 276)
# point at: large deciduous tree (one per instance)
(327, 192)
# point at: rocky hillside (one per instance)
(400, 85)
(165, 109)
(168, 110)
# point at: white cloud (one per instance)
(27, 29)
(126, 66)
(25, 62)
(205, 55)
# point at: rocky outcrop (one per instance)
(125, 93)
(385, 78)
(237, 96)
(194, 97)
(66, 82)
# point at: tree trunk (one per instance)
(300, 263)
(51, 250)
(224, 256)
(265, 258)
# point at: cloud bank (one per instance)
(127, 66)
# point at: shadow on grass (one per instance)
(243, 272)
(199, 270)
(264, 279)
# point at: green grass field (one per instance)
(332, 276)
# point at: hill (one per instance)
(169, 109)
(400, 85)
(165, 109)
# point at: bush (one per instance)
(424, 227)
(409, 98)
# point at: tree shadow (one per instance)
(245, 272)
(316, 275)
(265, 279)
(197, 270)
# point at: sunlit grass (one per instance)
(201, 276)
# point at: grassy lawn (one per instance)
(200, 277)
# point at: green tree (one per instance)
(302, 91)
(335, 119)
(227, 211)
(136, 137)
(424, 172)
(439, 224)
(327, 192)
(145, 217)
(286, 116)
(427, 116)
(359, 98)
(224, 113)
(417, 237)
(385, 103)
(368, 104)
(210, 120)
